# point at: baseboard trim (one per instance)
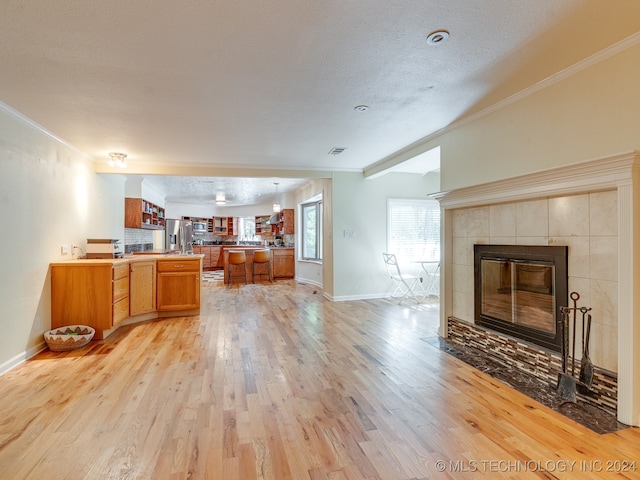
(21, 358)
(348, 298)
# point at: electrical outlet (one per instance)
(64, 249)
(349, 234)
(37, 323)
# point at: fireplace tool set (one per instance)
(567, 381)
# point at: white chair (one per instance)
(431, 279)
(404, 283)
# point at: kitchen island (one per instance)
(108, 293)
(282, 261)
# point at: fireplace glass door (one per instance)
(519, 292)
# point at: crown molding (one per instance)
(420, 146)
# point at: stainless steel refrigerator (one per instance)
(179, 236)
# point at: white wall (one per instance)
(50, 196)
(360, 205)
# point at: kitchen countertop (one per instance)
(244, 247)
(155, 252)
(128, 258)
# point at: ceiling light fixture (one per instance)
(361, 108)
(220, 198)
(276, 205)
(117, 160)
(437, 37)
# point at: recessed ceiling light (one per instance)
(361, 108)
(437, 37)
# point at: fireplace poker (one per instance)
(586, 367)
(574, 296)
(566, 383)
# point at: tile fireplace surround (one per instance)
(593, 207)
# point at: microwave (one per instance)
(200, 227)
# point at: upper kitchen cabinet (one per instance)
(225, 225)
(280, 223)
(262, 225)
(284, 225)
(139, 213)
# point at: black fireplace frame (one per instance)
(556, 255)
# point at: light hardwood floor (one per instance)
(276, 382)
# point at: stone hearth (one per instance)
(541, 364)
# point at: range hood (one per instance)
(274, 218)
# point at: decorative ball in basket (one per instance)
(68, 338)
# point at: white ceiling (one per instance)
(237, 190)
(255, 86)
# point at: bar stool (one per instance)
(262, 257)
(236, 259)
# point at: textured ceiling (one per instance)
(272, 85)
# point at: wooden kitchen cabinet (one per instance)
(262, 225)
(142, 287)
(89, 293)
(204, 250)
(179, 284)
(285, 225)
(284, 265)
(232, 226)
(285, 222)
(216, 260)
(225, 225)
(139, 213)
(288, 227)
(220, 225)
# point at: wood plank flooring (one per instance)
(273, 381)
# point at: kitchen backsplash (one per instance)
(136, 239)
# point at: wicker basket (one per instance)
(68, 338)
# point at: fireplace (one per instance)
(519, 290)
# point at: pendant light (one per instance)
(276, 205)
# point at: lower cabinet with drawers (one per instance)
(104, 293)
(89, 293)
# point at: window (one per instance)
(311, 215)
(247, 229)
(413, 229)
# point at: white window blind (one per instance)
(413, 229)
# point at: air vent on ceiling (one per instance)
(337, 150)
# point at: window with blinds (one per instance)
(413, 229)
